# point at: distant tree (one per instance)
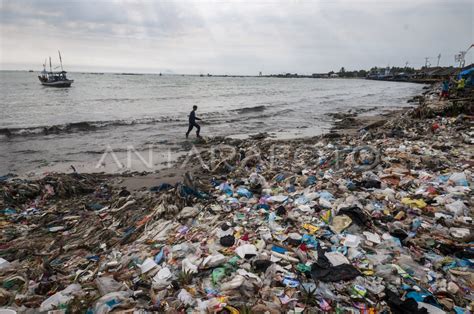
(362, 73)
(342, 71)
(349, 74)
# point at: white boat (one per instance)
(54, 79)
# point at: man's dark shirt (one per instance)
(192, 117)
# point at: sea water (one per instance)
(43, 127)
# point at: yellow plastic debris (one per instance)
(231, 309)
(311, 229)
(400, 215)
(419, 203)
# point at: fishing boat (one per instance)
(54, 79)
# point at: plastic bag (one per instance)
(243, 192)
(107, 285)
(61, 297)
(185, 297)
(459, 179)
(457, 208)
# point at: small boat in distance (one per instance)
(54, 79)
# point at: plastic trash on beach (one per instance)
(459, 179)
(107, 285)
(147, 265)
(60, 298)
(4, 264)
(246, 250)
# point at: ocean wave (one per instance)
(267, 115)
(83, 126)
(257, 108)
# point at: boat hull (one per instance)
(66, 83)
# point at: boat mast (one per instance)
(50, 66)
(61, 61)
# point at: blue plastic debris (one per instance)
(243, 192)
(159, 256)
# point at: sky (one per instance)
(233, 37)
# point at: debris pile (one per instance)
(373, 223)
(460, 102)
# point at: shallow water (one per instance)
(44, 127)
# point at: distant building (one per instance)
(379, 73)
(435, 72)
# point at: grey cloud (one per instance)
(103, 17)
(237, 36)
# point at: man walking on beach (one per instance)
(192, 122)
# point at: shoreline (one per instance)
(139, 180)
(145, 180)
(339, 121)
(377, 203)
